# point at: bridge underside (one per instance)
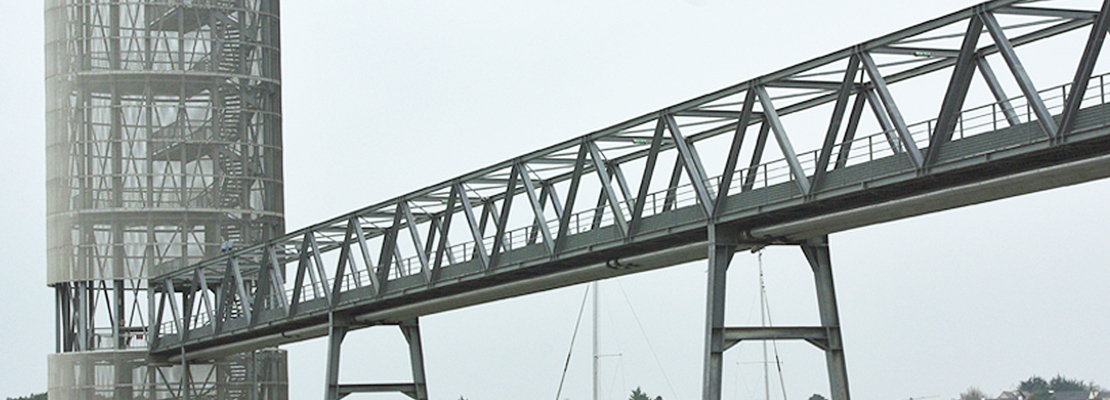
(575, 212)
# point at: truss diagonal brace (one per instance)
(957, 91)
(892, 109)
(784, 142)
(645, 181)
(1086, 67)
(1006, 49)
(410, 220)
(693, 167)
(444, 229)
(850, 131)
(472, 221)
(572, 195)
(319, 266)
(341, 266)
(607, 187)
(360, 236)
(996, 89)
(499, 243)
(241, 288)
(889, 131)
(537, 207)
(841, 106)
(734, 151)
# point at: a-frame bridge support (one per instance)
(337, 331)
(718, 337)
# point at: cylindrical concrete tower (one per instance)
(163, 145)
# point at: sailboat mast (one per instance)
(763, 322)
(595, 326)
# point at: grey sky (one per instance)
(383, 97)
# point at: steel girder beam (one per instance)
(815, 335)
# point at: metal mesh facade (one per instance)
(129, 375)
(163, 148)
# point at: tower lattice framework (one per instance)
(163, 148)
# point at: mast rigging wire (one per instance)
(566, 365)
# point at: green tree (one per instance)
(1040, 389)
(638, 394)
(1034, 384)
(1062, 384)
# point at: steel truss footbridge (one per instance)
(637, 196)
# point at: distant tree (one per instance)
(1034, 384)
(1062, 384)
(638, 394)
(40, 396)
(973, 393)
(1040, 389)
(817, 397)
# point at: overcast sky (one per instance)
(384, 97)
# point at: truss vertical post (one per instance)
(411, 330)
(337, 331)
(722, 246)
(817, 253)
